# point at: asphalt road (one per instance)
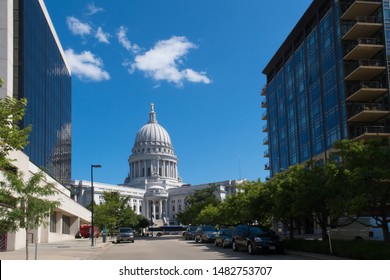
(176, 248)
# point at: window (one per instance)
(53, 222)
(65, 225)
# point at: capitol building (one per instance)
(153, 181)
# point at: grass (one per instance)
(352, 249)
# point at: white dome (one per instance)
(152, 133)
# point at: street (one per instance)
(176, 248)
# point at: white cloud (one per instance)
(102, 36)
(125, 42)
(86, 66)
(77, 27)
(163, 60)
(92, 9)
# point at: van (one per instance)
(364, 228)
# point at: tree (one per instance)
(23, 204)
(368, 165)
(115, 212)
(195, 203)
(283, 189)
(27, 204)
(12, 137)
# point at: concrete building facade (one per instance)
(33, 66)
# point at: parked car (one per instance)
(124, 234)
(205, 234)
(189, 234)
(224, 237)
(85, 231)
(255, 239)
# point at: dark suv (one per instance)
(255, 238)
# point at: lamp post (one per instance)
(92, 202)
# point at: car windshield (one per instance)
(228, 231)
(209, 228)
(125, 230)
(258, 230)
(192, 228)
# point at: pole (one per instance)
(92, 202)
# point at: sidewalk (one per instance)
(75, 249)
(314, 255)
(81, 249)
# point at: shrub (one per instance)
(352, 249)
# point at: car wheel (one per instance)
(234, 246)
(251, 250)
(132, 241)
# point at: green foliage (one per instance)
(11, 136)
(26, 204)
(115, 212)
(352, 249)
(368, 168)
(195, 203)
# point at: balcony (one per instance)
(266, 166)
(264, 91)
(265, 128)
(265, 140)
(366, 132)
(264, 116)
(364, 70)
(354, 9)
(365, 91)
(363, 48)
(264, 103)
(266, 153)
(367, 112)
(363, 27)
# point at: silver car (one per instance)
(124, 234)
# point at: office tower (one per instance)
(328, 81)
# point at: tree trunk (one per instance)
(26, 243)
(291, 228)
(385, 229)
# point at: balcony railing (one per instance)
(352, 9)
(264, 116)
(367, 112)
(363, 69)
(364, 132)
(266, 153)
(264, 90)
(265, 128)
(264, 103)
(363, 48)
(265, 140)
(365, 91)
(267, 166)
(361, 27)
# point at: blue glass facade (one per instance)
(43, 78)
(314, 88)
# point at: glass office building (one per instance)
(328, 81)
(43, 78)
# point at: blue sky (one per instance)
(200, 62)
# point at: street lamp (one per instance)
(92, 202)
